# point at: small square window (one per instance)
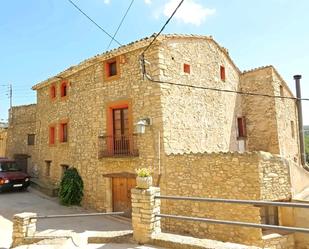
(222, 73)
(31, 139)
(111, 68)
(269, 215)
(186, 68)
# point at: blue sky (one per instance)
(40, 38)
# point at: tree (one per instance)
(71, 188)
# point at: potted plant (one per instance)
(144, 178)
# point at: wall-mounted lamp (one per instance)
(141, 125)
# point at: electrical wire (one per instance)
(223, 90)
(121, 22)
(96, 24)
(163, 27)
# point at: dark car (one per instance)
(11, 177)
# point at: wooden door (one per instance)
(122, 194)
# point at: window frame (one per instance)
(47, 172)
(107, 64)
(187, 68)
(31, 142)
(52, 135)
(53, 92)
(241, 127)
(222, 73)
(63, 136)
(64, 86)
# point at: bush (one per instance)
(71, 188)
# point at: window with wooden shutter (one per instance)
(241, 126)
(52, 132)
(63, 132)
(222, 73)
(186, 68)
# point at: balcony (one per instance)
(118, 146)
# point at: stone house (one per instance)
(3, 136)
(199, 141)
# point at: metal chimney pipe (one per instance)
(300, 120)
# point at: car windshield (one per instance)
(8, 166)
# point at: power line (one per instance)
(96, 24)
(223, 90)
(124, 16)
(163, 27)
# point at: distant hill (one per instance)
(306, 129)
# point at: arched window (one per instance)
(52, 92)
(64, 89)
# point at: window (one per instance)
(241, 127)
(281, 91)
(31, 138)
(63, 132)
(222, 73)
(52, 132)
(53, 92)
(64, 168)
(186, 68)
(47, 168)
(292, 129)
(112, 68)
(64, 89)
(269, 215)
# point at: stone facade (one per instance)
(22, 123)
(183, 120)
(3, 137)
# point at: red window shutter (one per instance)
(52, 135)
(186, 68)
(63, 132)
(222, 73)
(52, 92)
(241, 123)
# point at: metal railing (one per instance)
(118, 146)
(235, 223)
(73, 215)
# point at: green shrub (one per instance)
(71, 188)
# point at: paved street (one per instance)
(32, 201)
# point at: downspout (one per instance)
(300, 120)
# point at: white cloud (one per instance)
(190, 12)
(147, 1)
(107, 1)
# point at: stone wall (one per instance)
(221, 175)
(198, 120)
(85, 109)
(260, 112)
(22, 122)
(287, 120)
(3, 138)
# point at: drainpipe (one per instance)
(300, 120)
